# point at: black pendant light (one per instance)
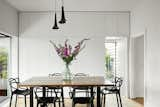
(55, 22)
(63, 20)
(55, 19)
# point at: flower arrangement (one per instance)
(67, 52)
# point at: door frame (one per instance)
(131, 54)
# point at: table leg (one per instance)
(44, 91)
(62, 97)
(44, 95)
(98, 97)
(31, 96)
(92, 105)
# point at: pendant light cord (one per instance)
(62, 2)
(55, 7)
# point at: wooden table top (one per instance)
(58, 81)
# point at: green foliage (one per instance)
(109, 61)
(68, 60)
(109, 65)
(109, 75)
(3, 63)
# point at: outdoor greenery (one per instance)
(3, 63)
(109, 65)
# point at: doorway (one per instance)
(137, 68)
(116, 58)
(4, 64)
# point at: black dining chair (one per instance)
(41, 100)
(82, 88)
(88, 99)
(58, 90)
(13, 82)
(114, 89)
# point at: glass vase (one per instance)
(67, 75)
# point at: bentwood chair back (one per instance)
(115, 89)
(58, 90)
(44, 101)
(13, 82)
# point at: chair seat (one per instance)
(46, 99)
(109, 90)
(82, 100)
(58, 89)
(114, 89)
(54, 87)
(21, 92)
(81, 88)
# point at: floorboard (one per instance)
(139, 100)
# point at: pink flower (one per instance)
(66, 53)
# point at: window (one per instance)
(117, 60)
(112, 58)
(4, 64)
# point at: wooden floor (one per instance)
(110, 102)
(139, 100)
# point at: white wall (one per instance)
(138, 66)
(122, 52)
(8, 19)
(146, 16)
(37, 56)
(9, 25)
(78, 23)
(74, 5)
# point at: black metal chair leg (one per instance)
(62, 97)
(73, 105)
(91, 105)
(54, 104)
(51, 92)
(25, 101)
(11, 101)
(104, 100)
(16, 102)
(120, 99)
(117, 100)
(37, 104)
(101, 100)
(59, 102)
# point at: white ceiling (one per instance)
(74, 5)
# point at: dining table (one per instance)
(45, 81)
